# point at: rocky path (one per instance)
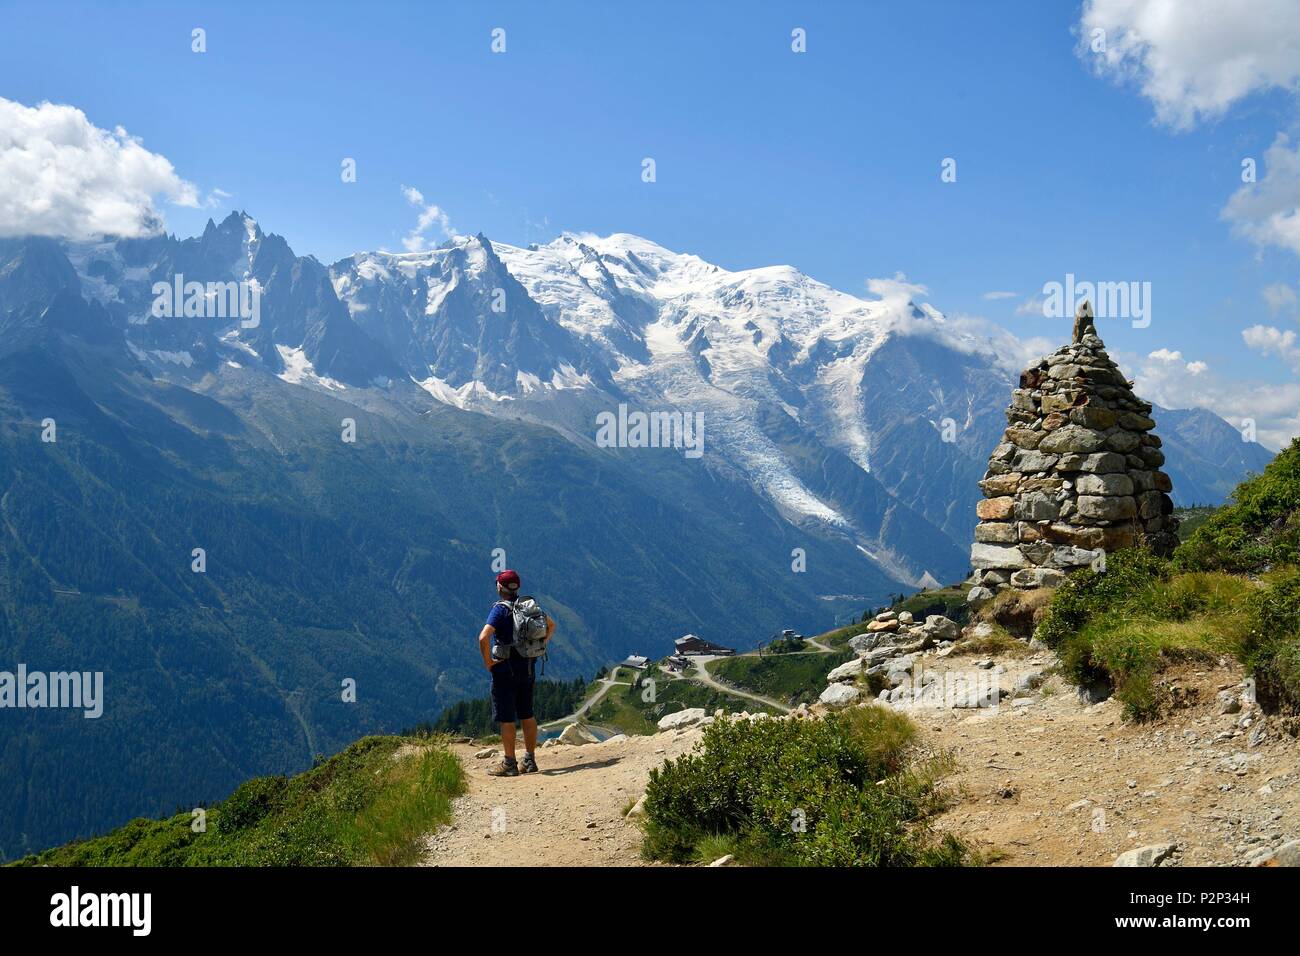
(1053, 781)
(570, 814)
(1043, 779)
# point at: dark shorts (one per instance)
(512, 690)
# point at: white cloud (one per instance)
(1172, 360)
(1279, 297)
(1000, 295)
(1268, 339)
(215, 198)
(897, 288)
(1194, 58)
(971, 334)
(1268, 212)
(1274, 407)
(62, 176)
(430, 215)
(1032, 306)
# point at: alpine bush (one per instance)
(841, 791)
(1272, 647)
(1259, 529)
(1087, 592)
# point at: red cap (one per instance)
(509, 580)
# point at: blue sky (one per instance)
(828, 160)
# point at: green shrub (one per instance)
(832, 792)
(1120, 627)
(252, 801)
(1259, 529)
(370, 804)
(1272, 646)
(1087, 592)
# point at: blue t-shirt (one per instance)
(503, 621)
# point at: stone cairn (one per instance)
(1076, 475)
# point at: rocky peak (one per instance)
(1076, 474)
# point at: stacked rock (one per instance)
(889, 647)
(1076, 475)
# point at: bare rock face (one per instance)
(1076, 474)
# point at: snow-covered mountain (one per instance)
(865, 420)
(800, 386)
(842, 442)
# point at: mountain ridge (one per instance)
(824, 486)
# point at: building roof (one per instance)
(695, 640)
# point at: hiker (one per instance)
(515, 635)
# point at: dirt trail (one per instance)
(1052, 781)
(570, 814)
(701, 674)
(1058, 782)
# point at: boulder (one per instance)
(1027, 578)
(836, 696)
(682, 718)
(862, 643)
(993, 556)
(576, 735)
(1153, 855)
(940, 628)
(849, 670)
(1288, 854)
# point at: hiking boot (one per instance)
(529, 765)
(506, 768)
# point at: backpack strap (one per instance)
(509, 606)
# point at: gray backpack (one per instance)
(530, 626)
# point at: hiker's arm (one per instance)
(550, 626)
(485, 645)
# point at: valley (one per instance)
(474, 376)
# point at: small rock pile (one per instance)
(889, 647)
(1075, 476)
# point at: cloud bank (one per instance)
(62, 176)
